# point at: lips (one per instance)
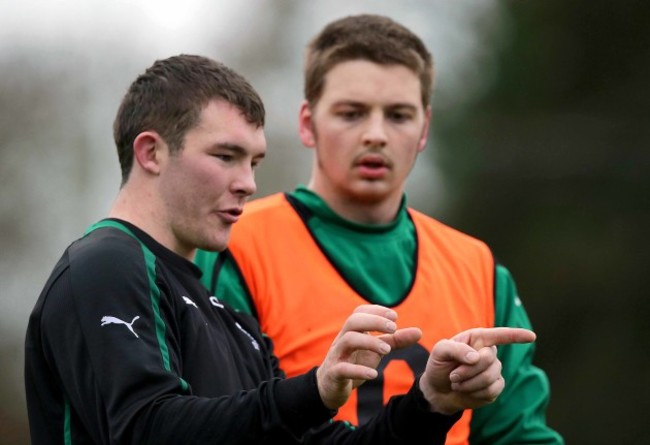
(372, 166)
(235, 211)
(372, 161)
(230, 216)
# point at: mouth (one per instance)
(372, 166)
(230, 215)
(372, 160)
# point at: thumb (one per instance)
(450, 351)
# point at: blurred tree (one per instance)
(46, 169)
(550, 167)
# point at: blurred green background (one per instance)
(540, 146)
(552, 168)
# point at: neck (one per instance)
(130, 208)
(141, 208)
(361, 210)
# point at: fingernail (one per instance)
(391, 314)
(390, 326)
(384, 348)
(472, 356)
(454, 378)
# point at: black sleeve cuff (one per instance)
(299, 403)
(413, 420)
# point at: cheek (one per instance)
(209, 182)
(196, 183)
(335, 144)
(330, 156)
(407, 164)
(202, 174)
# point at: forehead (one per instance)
(365, 81)
(220, 122)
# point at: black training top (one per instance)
(125, 345)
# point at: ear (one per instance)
(147, 148)
(306, 126)
(425, 130)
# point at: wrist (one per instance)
(437, 401)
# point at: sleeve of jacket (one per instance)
(103, 342)
(406, 419)
(119, 386)
(519, 414)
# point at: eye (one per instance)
(224, 157)
(399, 116)
(350, 115)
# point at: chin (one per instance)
(216, 243)
(370, 195)
(220, 245)
(214, 247)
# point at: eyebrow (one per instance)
(230, 146)
(236, 148)
(354, 103)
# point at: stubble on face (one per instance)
(208, 181)
(364, 152)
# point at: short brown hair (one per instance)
(369, 37)
(169, 96)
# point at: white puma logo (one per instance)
(188, 301)
(107, 319)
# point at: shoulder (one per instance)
(431, 227)
(103, 258)
(264, 205)
(264, 214)
(103, 247)
(92, 268)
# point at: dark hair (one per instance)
(169, 96)
(369, 37)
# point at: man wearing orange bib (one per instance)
(301, 261)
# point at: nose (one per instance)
(244, 183)
(374, 134)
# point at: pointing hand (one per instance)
(464, 373)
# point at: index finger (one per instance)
(479, 338)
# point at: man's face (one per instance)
(367, 129)
(204, 185)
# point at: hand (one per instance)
(464, 372)
(355, 353)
